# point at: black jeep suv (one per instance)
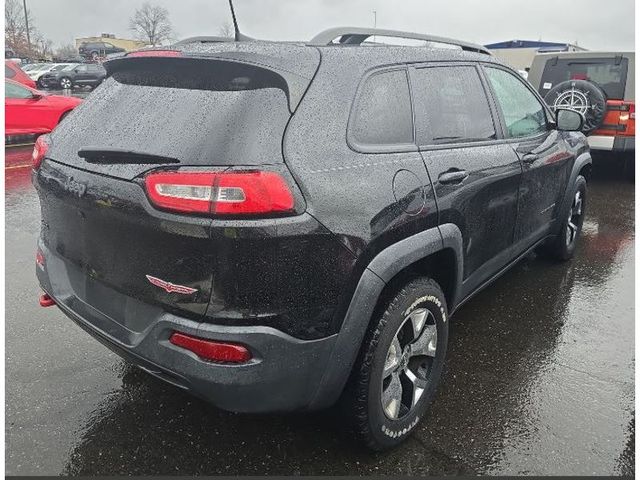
(279, 226)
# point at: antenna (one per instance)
(238, 36)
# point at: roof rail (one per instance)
(356, 36)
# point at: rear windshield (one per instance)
(198, 112)
(609, 73)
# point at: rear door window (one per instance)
(609, 73)
(454, 105)
(382, 114)
(523, 114)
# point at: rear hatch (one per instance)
(611, 73)
(150, 115)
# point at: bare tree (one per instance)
(151, 24)
(66, 51)
(43, 46)
(226, 30)
(15, 30)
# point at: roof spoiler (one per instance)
(357, 36)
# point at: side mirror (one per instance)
(36, 96)
(569, 120)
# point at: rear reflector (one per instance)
(39, 150)
(40, 259)
(46, 300)
(221, 193)
(210, 349)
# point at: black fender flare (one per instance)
(375, 277)
(583, 160)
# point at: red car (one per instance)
(12, 71)
(30, 111)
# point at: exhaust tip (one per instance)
(46, 300)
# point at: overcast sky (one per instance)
(594, 24)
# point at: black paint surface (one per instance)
(539, 380)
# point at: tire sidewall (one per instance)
(389, 432)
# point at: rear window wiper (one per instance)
(120, 156)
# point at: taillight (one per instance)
(632, 110)
(40, 150)
(220, 193)
(211, 349)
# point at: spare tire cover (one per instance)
(582, 96)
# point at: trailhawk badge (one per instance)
(171, 287)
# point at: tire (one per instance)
(583, 96)
(39, 84)
(370, 400)
(66, 83)
(564, 245)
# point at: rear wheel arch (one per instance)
(435, 253)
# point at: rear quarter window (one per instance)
(8, 72)
(382, 113)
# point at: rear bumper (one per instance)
(611, 143)
(284, 374)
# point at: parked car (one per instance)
(31, 112)
(600, 85)
(13, 72)
(53, 68)
(291, 227)
(74, 75)
(37, 73)
(94, 50)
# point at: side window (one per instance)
(383, 114)
(16, 91)
(523, 114)
(81, 68)
(8, 72)
(456, 106)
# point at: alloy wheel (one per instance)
(408, 364)
(574, 218)
(65, 83)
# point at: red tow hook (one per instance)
(46, 300)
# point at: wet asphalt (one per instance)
(539, 379)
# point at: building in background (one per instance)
(519, 53)
(127, 44)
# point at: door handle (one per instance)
(529, 158)
(452, 176)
